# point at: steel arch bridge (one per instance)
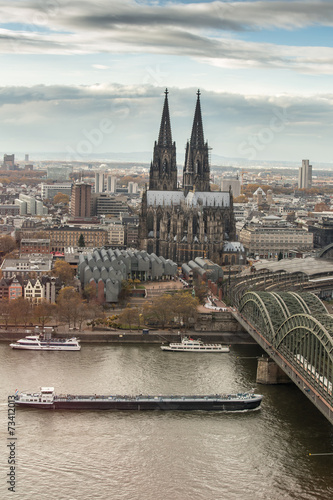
(298, 327)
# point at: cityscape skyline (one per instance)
(88, 78)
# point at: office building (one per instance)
(48, 191)
(81, 200)
(305, 175)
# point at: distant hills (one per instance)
(145, 157)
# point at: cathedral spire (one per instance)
(163, 168)
(165, 137)
(196, 172)
(197, 136)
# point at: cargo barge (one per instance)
(47, 399)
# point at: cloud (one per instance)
(100, 66)
(204, 31)
(290, 127)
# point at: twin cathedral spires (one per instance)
(163, 168)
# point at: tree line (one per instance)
(170, 310)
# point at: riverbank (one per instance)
(127, 336)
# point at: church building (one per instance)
(182, 223)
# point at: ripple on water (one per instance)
(162, 455)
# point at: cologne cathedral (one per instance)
(182, 223)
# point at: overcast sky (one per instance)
(85, 77)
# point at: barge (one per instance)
(47, 399)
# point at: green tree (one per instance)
(81, 242)
(280, 256)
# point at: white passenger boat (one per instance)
(191, 345)
(42, 343)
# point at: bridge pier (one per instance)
(269, 373)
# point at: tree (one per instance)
(4, 311)
(162, 311)
(181, 308)
(89, 293)
(186, 307)
(81, 242)
(20, 311)
(125, 292)
(241, 199)
(83, 313)
(7, 244)
(63, 271)
(69, 303)
(61, 198)
(130, 316)
(201, 290)
(44, 312)
(280, 256)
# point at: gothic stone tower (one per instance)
(196, 171)
(182, 224)
(163, 168)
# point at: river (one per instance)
(160, 455)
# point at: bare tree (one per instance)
(44, 312)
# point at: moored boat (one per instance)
(47, 399)
(45, 343)
(191, 345)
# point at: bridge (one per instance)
(296, 331)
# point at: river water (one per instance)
(160, 455)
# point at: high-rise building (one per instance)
(81, 200)
(106, 204)
(50, 190)
(8, 162)
(305, 175)
(111, 182)
(99, 182)
(29, 205)
(132, 187)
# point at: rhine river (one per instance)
(160, 455)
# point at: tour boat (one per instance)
(191, 345)
(42, 343)
(47, 399)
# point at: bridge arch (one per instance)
(307, 343)
(263, 311)
(297, 326)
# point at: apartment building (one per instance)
(62, 237)
(267, 242)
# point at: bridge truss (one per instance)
(299, 328)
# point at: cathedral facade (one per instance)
(181, 223)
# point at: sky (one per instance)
(86, 77)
